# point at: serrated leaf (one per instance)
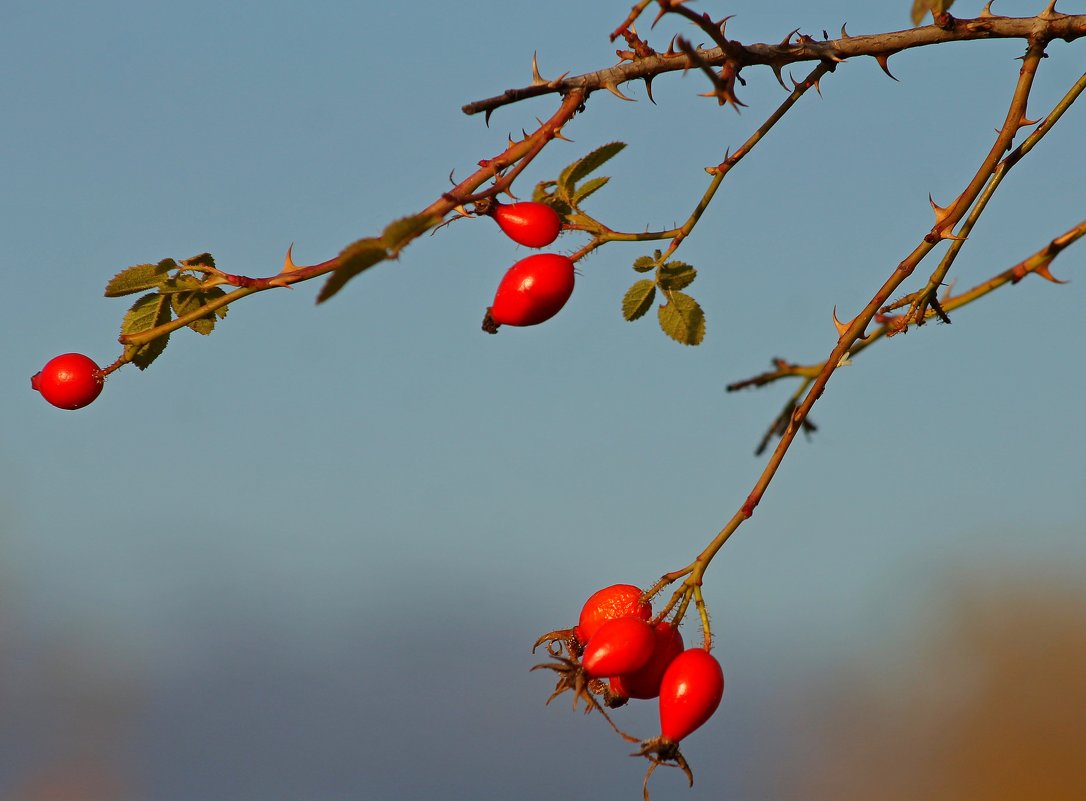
(399, 232)
(588, 187)
(682, 319)
(675, 275)
(200, 260)
(188, 302)
(138, 278)
(587, 165)
(179, 283)
(543, 190)
(644, 263)
(638, 299)
(355, 258)
(148, 312)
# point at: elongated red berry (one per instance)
(618, 646)
(690, 693)
(69, 381)
(534, 225)
(645, 681)
(532, 291)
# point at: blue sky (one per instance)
(305, 556)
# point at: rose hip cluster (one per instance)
(617, 652)
(535, 288)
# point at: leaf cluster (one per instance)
(680, 316)
(178, 289)
(566, 194)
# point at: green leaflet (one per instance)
(149, 311)
(638, 299)
(355, 258)
(139, 278)
(682, 319)
(675, 275)
(587, 165)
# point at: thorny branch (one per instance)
(1049, 25)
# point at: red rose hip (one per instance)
(690, 693)
(69, 381)
(532, 291)
(534, 225)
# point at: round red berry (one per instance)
(532, 291)
(533, 225)
(690, 693)
(69, 381)
(610, 603)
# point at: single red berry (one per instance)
(618, 646)
(610, 603)
(533, 290)
(534, 225)
(69, 381)
(690, 693)
(645, 682)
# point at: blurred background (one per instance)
(306, 558)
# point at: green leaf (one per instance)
(138, 278)
(399, 232)
(587, 165)
(682, 319)
(587, 188)
(179, 283)
(645, 263)
(355, 258)
(149, 311)
(188, 302)
(201, 260)
(638, 299)
(675, 275)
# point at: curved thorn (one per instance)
(486, 116)
(844, 33)
(537, 79)
(612, 87)
(884, 62)
(785, 41)
(777, 72)
(288, 263)
(841, 327)
(648, 88)
(1046, 274)
(987, 10)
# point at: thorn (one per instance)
(818, 86)
(941, 212)
(288, 262)
(1046, 273)
(777, 72)
(486, 116)
(671, 51)
(537, 79)
(1024, 122)
(1050, 11)
(841, 327)
(787, 39)
(611, 87)
(948, 234)
(723, 24)
(884, 62)
(451, 181)
(987, 10)
(949, 291)
(559, 135)
(648, 88)
(509, 140)
(844, 33)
